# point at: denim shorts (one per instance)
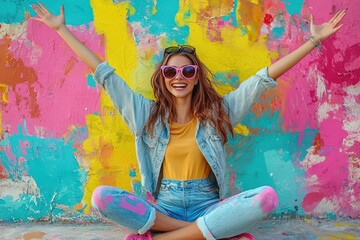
(186, 200)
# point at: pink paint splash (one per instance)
(100, 201)
(61, 92)
(319, 80)
(132, 204)
(333, 174)
(268, 199)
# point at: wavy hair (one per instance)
(206, 103)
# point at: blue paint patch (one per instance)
(162, 22)
(76, 12)
(293, 6)
(278, 32)
(90, 81)
(52, 165)
(270, 157)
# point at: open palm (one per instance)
(55, 22)
(326, 29)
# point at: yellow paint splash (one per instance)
(338, 236)
(345, 224)
(242, 130)
(234, 52)
(110, 148)
(4, 90)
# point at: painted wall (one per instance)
(61, 136)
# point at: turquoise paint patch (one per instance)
(54, 169)
(90, 81)
(76, 12)
(293, 6)
(270, 158)
(162, 22)
(286, 178)
(278, 32)
(25, 208)
(231, 17)
(227, 78)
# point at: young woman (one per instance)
(180, 139)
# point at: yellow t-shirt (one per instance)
(183, 158)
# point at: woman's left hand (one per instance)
(326, 29)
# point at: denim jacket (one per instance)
(150, 151)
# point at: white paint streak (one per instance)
(314, 74)
(14, 31)
(324, 109)
(352, 122)
(312, 180)
(353, 90)
(26, 185)
(321, 88)
(312, 159)
(326, 205)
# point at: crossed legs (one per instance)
(224, 219)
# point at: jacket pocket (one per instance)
(149, 141)
(215, 142)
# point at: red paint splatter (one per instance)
(318, 143)
(268, 19)
(3, 173)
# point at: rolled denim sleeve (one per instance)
(240, 101)
(133, 107)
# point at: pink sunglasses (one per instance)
(187, 71)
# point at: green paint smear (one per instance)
(271, 157)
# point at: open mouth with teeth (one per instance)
(179, 86)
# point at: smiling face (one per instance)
(180, 87)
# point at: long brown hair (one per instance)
(206, 105)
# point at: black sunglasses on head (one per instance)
(179, 49)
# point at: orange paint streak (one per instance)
(318, 143)
(13, 72)
(33, 235)
(251, 14)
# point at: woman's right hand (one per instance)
(55, 22)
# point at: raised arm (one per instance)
(58, 24)
(318, 34)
